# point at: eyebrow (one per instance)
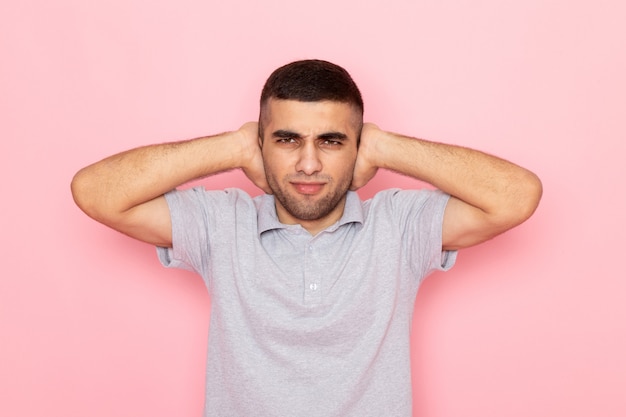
(333, 136)
(281, 133)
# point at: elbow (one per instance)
(80, 191)
(525, 199)
(531, 195)
(86, 194)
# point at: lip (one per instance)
(308, 188)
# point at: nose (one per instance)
(309, 162)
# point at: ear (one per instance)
(264, 119)
(260, 136)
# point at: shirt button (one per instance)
(313, 287)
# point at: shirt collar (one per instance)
(268, 219)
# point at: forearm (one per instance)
(123, 181)
(481, 180)
(489, 195)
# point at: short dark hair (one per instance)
(311, 80)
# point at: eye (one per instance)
(286, 141)
(331, 143)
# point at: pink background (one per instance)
(530, 324)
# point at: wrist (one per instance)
(246, 145)
(372, 145)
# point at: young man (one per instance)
(312, 289)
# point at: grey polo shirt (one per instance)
(304, 325)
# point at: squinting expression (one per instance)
(309, 152)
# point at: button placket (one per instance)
(312, 285)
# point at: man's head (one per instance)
(309, 81)
(309, 127)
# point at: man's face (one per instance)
(309, 151)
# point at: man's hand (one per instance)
(252, 159)
(366, 165)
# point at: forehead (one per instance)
(311, 116)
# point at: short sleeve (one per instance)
(420, 215)
(202, 222)
(190, 218)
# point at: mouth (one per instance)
(308, 188)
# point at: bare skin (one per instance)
(125, 191)
(489, 195)
(310, 154)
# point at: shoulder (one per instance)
(198, 204)
(406, 210)
(396, 199)
(201, 196)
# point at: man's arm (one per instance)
(125, 191)
(489, 194)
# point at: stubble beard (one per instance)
(305, 208)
